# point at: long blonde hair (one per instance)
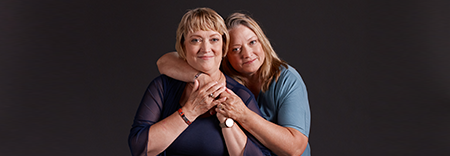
(270, 69)
(204, 19)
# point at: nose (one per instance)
(246, 52)
(206, 47)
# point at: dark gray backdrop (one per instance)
(72, 73)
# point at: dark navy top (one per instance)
(202, 137)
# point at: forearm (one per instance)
(280, 140)
(164, 132)
(173, 66)
(235, 140)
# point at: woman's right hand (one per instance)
(233, 107)
(202, 99)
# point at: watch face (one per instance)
(229, 122)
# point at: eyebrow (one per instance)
(215, 35)
(252, 38)
(195, 35)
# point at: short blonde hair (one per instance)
(270, 69)
(204, 19)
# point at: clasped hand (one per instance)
(214, 97)
(203, 99)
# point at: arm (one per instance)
(235, 138)
(172, 65)
(289, 135)
(280, 138)
(146, 136)
(242, 143)
(150, 134)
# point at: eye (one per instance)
(252, 42)
(195, 40)
(238, 49)
(215, 40)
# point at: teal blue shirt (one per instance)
(286, 103)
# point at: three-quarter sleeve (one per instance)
(148, 113)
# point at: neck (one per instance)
(252, 78)
(253, 83)
(217, 76)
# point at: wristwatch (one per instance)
(227, 124)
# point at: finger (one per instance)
(230, 91)
(196, 84)
(209, 85)
(218, 110)
(219, 91)
(221, 99)
(215, 87)
(221, 111)
(215, 90)
(203, 90)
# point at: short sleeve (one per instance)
(292, 101)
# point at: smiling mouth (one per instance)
(251, 61)
(205, 57)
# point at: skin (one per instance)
(203, 53)
(246, 56)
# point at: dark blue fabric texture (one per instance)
(202, 137)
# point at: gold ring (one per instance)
(211, 95)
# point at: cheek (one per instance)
(234, 60)
(261, 53)
(190, 50)
(218, 48)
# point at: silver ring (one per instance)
(211, 95)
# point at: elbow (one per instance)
(164, 62)
(300, 143)
(294, 152)
(299, 151)
(160, 64)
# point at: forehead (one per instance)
(203, 33)
(241, 33)
(202, 24)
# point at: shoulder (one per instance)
(289, 76)
(289, 72)
(163, 81)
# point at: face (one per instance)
(246, 54)
(204, 50)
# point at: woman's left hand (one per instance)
(232, 107)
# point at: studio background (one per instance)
(72, 73)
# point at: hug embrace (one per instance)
(223, 92)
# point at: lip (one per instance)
(205, 57)
(249, 62)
